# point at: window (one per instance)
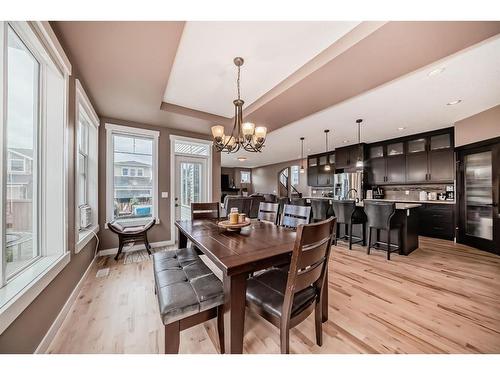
(295, 169)
(245, 177)
(140, 172)
(86, 167)
(33, 79)
(130, 196)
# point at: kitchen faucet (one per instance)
(355, 197)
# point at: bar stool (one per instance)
(320, 210)
(348, 214)
(381, 216)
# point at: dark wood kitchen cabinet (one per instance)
(441, 166)
(436, 220)
(346, 157)
(376, 171)
(317, 175)
(416, 167)
(395, 169)
(342, 157)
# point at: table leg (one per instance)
(182, 240)
(234, 312)
(325, 298)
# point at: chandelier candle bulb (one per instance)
(260, 132)
(248, 129)
(218, 132)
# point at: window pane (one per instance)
(133, 194)
(245, 177)
(440, 141)
(191, 185)
(376, 152)
(83, 134)
(295, 175)
(395, 149)
(22, 123)
(82, 179)
(416, 145)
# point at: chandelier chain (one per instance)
(238, 83)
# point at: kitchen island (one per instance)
(406, 214)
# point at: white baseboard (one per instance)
(113, 251)
(51, 333)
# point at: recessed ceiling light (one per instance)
(454, 102)
(401, 128)
(242, 158)
(436, 72)
(345, 141)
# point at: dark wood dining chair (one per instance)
(293, 216)
(268, 212)
(205, 211)
(285, 298)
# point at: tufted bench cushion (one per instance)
(184, 284)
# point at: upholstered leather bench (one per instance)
(188, 294)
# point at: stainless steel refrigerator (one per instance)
(348, 185)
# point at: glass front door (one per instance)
(191, 185)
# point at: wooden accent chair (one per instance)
(293, 216)
(268, 212)
(131, 234)
(287, 297)
(205, 211)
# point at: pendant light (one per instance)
(327, 165)
(359, 162)
(302, 169)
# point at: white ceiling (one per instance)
(203, 76)
(416, 101)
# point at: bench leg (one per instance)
(220, 327)
(172, 338)
(146, 243)
(120, 248)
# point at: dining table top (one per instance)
(255, 246)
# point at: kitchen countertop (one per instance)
(399, 205)
(394, 200)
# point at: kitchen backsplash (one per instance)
(411, 192)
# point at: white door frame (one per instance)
(179, 159)
(174, 138)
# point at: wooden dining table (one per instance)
(238, 254)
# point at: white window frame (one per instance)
(111, 130)
(83, 106)
(18, 292)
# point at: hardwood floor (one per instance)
(442, 298)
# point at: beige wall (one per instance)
(265, 179)
(27, 331)
(161, 231)
(481, 126)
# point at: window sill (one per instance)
(84, 237)
(25, 287)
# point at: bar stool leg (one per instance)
(369, 240)
(350, 235)
(389, 244)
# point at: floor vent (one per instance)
(103, 272)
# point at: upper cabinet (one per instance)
(416, 159)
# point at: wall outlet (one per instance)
(407, 192)
(164, 194)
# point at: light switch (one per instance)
(164, 194)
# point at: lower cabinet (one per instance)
(437, 221)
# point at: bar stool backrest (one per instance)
(320, 209)
(379, 214)
(343, 210)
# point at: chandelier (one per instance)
(244, 135)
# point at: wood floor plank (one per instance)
(442, 298)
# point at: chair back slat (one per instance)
(309, 259)
(205, 211)
(293, 216)
(308, 276)
(268, 212)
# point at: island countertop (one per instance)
(399, 205)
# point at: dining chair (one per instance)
(286, 297)
(293, 216)
(381, 216)
(348, 214)
(205, 210)
(281, 205)
(268, 212)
